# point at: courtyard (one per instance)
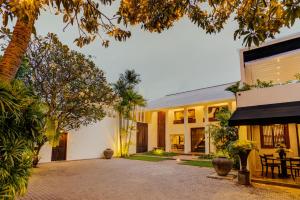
(120, 179)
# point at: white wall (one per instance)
(88, 141)
(270, 95)
(45, 153)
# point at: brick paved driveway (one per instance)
(121, 179)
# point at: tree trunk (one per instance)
(15, 50)
(120, 134)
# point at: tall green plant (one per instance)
(221, 133)
(128, 100)
(21, 121)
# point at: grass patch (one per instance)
(162, 153)
(146, 158)
(207, 156)
(198, 163)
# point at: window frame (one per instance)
(285, 135)
(190, 119)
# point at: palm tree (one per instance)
(15, 50)
(128, 100)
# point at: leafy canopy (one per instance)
(257, 19)
(86, 15)
(71, 85)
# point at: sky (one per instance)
(179, 59)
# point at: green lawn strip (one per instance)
(198, 163)
(164, 154)
(147, 158)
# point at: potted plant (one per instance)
(242, 148)
(222, 163)
(281, 149)
(108, 153)
(222, 136)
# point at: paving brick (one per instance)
(121, 179)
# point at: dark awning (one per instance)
(281, 113)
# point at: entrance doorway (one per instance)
(142, 137)
(60, 152)
(198, 140)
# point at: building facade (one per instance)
(269, 114)
(179, 122)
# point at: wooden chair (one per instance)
(272, 163)
(294, 166)
(263, 164)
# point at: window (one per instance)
(179, 116)
(212, 112)
(272, 135)
(177, 142)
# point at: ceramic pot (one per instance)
(108, 153)
(222, 165)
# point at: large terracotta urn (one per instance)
(108, 153)
(222, 165)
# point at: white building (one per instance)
(179, 122)
(86, 143)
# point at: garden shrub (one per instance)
(21, 121)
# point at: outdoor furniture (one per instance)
(273, 163)
(179, 147)
(263, 163)
(294, 166)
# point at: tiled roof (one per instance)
(192, 97)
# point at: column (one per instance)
(207, 137)
(187, 137)
(167, 136)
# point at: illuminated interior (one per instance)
(279, 69)
(177, 142)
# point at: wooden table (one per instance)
(282, 165)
